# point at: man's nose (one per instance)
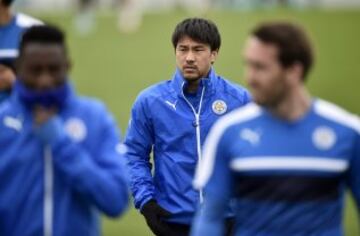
(45, 81)
(190, 57)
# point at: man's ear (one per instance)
(214, 55)
(295, 72)
(68, 64)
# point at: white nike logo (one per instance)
(173, 105)
(13, 123)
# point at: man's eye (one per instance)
(35, 70)
(54, 68)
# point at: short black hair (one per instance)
(200, 30)
(43, 34)
(6, 3)
(292, 43)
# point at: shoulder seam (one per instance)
(337, 114)
(231, 86)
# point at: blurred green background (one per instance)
(115, 67)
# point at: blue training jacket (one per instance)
(286, 178)
(59, 188)
(166, 122)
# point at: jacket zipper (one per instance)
(48, 192)
(197, 124)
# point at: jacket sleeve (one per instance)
(354, 174)
(139, 141)
(99, 176)
(214, 176)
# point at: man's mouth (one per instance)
(189, 68)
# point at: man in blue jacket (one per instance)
(286, 160)
(60, 158)
(172, 119)
(12, 27)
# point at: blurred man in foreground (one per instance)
(286, 158)
(60, 165)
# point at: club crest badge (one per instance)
(324, 138)
(219, 107)
(76, 129)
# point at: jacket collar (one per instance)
(16, 101)
(4, 95)
(178, 82)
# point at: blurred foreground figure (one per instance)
(287, 158)
(11, 28)
(60, 158)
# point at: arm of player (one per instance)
(7, 77)
(139, 141)
(354, 174)
(100, 177)
(214, 175)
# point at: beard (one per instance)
(271, 97)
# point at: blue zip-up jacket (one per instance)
(286, 178)
(56, 178)
(164, 121)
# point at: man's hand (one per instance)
(42, 114)
(48, 126)
(154, 215)
(7, 78)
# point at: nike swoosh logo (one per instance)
(173, 105)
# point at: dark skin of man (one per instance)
(43, 67)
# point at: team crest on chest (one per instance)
(219, 107)
(76, 129)
(324, 137)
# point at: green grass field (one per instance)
(116, 67)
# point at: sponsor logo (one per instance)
(251, 136)
(13, 123)
(173, 105)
